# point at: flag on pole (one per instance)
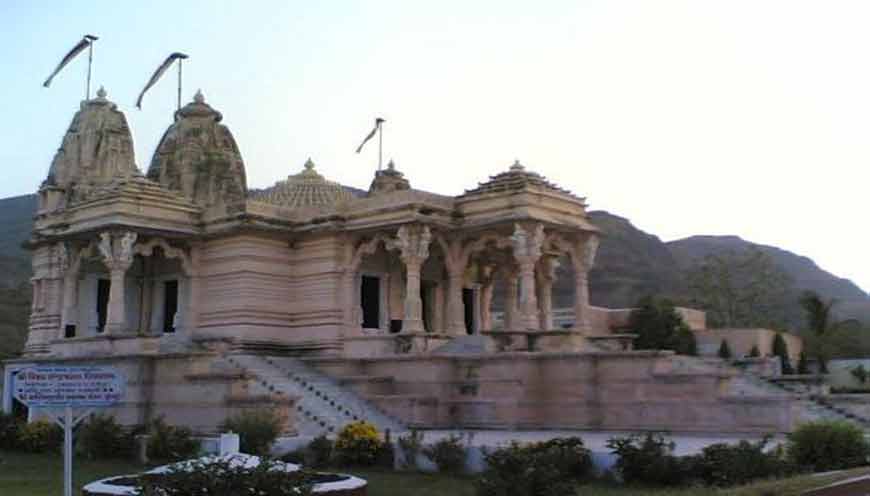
(378, 122)
(158, 73)
(80, 46)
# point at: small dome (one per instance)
(199, 158)
(306, 189)
(515, 179)
(97, 148)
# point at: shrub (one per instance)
(803, 366)
(223, 478)
(860, 374)
(779, 348)
(730, 465)
(754, 352)
(10, 426)
(649, 460)
(357, 443)
(448, 454)
(40, 436)
(319, 452)
(660, 327)
(828, 445)
(386, 453)
(725, 351)
(257, 430)
(169, 443)
(538, 469)
(411, 446)
(102, 437)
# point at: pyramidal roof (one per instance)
(516, 179)
(306, 189)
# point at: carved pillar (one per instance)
(510, 302)
(486, 306)
(413, 246)
(527, 251)
(546, 276)
(70, 262)
(455, 305)
(438, 308)
(117, 254)
(583, 257)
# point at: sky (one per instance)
(747, 118)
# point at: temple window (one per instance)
(170, 305)
(370, 291)
(103, 288)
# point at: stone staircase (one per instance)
(811, 407)
(324, 405)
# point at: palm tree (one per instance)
(820, 320)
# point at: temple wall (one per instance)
(260, 288)
(609, 391)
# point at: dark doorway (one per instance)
(370, 300)
(170, 305)
(468, 302)
(103, 287)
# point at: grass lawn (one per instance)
(40, 475)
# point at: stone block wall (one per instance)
(610, 391)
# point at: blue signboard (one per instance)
(69, 386)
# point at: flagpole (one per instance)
(179, 83)
(380, 145)
(90, 63)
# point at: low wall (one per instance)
(641, 390)
(186, 388)
(741, 342)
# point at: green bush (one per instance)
(649, 460)
(725, 351)
(40, 436)
(411, 446)
(319, 452)
(224, 478)
(170, 443)
(102, 437)
(257, 430)
(828, 445)
(659, 326)
(727, 465)
(358, 443)
(10, 426)
(448, 454)
(539, 469)
(386, 454)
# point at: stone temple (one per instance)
(333, 304)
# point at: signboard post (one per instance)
(69, 387)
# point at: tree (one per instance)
(660, 327)
(780, 349)
(725, 350)
(754, 352)
(828, 334)
(745, 289)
